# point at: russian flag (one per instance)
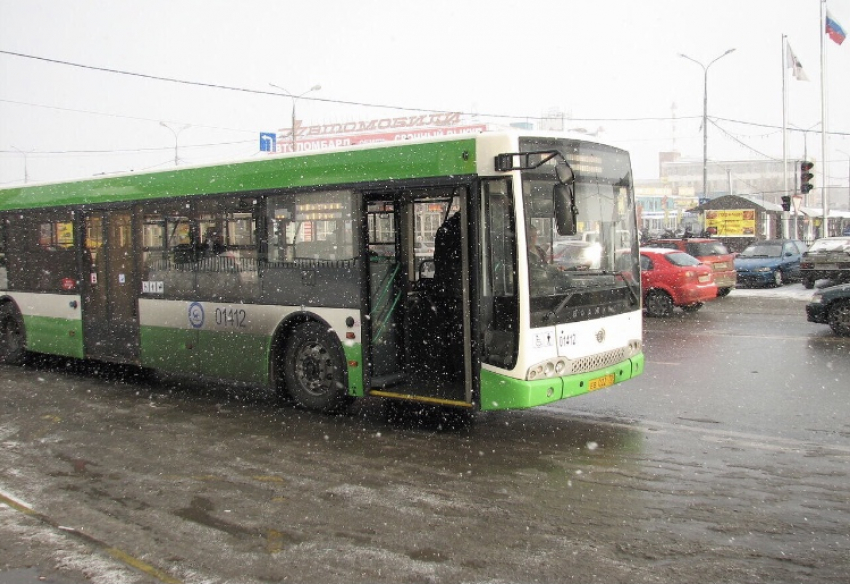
(834, 30)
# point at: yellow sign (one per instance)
(65, 234)
(731, 223)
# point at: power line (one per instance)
(310, 98)
(129, 151)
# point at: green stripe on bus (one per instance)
(55, 336)
(354, 359)
(499, 392)
(224, 355)
(447, 158)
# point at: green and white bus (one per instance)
(488, 271)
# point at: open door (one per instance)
(419, 296)
(110, 287)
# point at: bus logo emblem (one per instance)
(196, 315)
(600, 336)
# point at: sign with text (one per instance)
(342, 141)
(731, 222)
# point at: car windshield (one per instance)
(831, 244)
(680, 258)
(762, 251)
(708, 248)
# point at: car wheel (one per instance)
(808, 283)
(839, 318)
(314, 369)
(777, 278)
(721, 292)
(659, 303)
(12, 336)
(692, 307)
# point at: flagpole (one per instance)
(822, 33)
(784, 130)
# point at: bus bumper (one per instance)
(499, 392)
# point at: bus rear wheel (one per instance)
(12, 339)
(314, 369)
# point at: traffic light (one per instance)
(806, 176)
(786, 203)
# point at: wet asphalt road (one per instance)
(726, 462)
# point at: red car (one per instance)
(671, 278)
(710, 251)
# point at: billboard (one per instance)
(731, 222)
(341, 141)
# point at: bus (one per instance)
(305, 273)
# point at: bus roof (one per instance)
(441, 156)
(423, 158)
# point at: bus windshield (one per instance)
(602, 253)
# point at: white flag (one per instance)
(794, 63)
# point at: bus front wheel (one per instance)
(314, 369)
(12, 339)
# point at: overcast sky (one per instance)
(609, 64)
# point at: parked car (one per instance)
(671, 278)
(771, 262)
(831, 306)
(829, 257)
(707, 250)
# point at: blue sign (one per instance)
(196, 315)
(268, 142)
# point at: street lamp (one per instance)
(294, 99)
(705, 118)
(848, 174)
(26, 167)
(176, 134)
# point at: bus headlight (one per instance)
(560, 366)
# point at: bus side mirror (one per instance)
(565, 174)
(565, 211)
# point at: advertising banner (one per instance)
(731, 222)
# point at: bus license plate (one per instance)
(601, 382)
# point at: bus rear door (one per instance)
(110, 287)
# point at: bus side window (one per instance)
(41, 251)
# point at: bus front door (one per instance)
(419, 329)
(110, 287)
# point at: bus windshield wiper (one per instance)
(561, 306)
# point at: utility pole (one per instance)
(705, 117)
(294, 99)
(26, 165)
(176, 134)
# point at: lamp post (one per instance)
(848, 175)
(294, 99)
(705, 117)
(26, 167)
(176, 134)
(797, 201)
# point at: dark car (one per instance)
(771, 262)
(829, 257)
(831, 306)
(709, 251)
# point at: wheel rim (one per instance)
(777, 278)
(314, 369)
(659, 303)
(840, 317)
